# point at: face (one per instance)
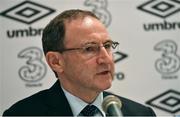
(81, 72)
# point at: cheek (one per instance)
(86, 71)
(112, 61)
(81, 68)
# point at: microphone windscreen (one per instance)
(111, 100)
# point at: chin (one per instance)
(106, 86)
(109, 86)
(104, 83)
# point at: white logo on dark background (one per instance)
(100, 9)
(27, 12)
(34, 69)
(161, 8)
(169, 63)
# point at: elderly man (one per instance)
(79, 50)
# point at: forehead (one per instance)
(85, 29)
(82, 22)
(88, 22)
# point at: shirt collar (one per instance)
(77, 104)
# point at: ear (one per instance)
(55, 61)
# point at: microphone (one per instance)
(112, 106)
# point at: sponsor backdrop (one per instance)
(147, 63)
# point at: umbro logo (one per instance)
(118, 56)
(27, 12)
(168, 101)
(161, 8)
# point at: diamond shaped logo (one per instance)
(161, 8)
(27, 12)
(168, 101)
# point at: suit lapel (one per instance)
(57, 102)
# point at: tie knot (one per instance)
(90, 110)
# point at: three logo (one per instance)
(28, 12)
(99, 7)
(169, 63)
(34, 69)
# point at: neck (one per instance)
(86, 95)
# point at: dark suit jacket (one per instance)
(52, 102)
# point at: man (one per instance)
(79, 50)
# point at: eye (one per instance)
(90, 48)
(108, 45)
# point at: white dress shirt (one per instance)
(77, 105)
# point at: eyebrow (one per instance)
(93, 42)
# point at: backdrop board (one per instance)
(147, 62)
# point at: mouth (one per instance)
(103, 73)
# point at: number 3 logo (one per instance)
(99, 7)
(34, 69)
(170, 61)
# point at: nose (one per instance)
(104, 56)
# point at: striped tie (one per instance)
(90, 110)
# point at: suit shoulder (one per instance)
(136, 108)
(28, 106)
